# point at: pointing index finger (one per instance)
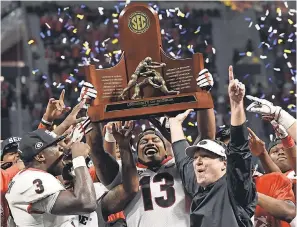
(252, 132)
(62, 95)
(231, 75)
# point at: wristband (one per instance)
(109, 137)
(285, 119)
(45, 122)
(79, 162)
(288, 142)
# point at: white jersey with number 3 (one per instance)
(31, 195)
(161, 200)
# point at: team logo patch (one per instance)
(138, 22)
(38, 145)
(203, 143)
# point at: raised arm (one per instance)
(83, 198)
(205, 118)
(239, 157)
(106, 166)
(54, 110)
(109, 142)
(183, 162)
(70, 119)
(118, 198)
(206, 123)
(271, 112)
(257, 147)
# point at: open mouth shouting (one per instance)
(150, 151)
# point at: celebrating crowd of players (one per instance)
(51, 178)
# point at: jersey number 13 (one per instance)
(167, 187)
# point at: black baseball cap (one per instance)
(34, 142)
(8, 144)
(273, 144)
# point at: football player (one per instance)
(35, 196)
(161, 200)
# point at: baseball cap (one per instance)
(213, 146)
(273, 144)
(9, 143)
(34, 142)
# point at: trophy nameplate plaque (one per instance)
(145, 81)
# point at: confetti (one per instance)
(31, 41)
(189, 138)
(257, 27)
(290, 21)
(277, 69)
(35, 71)
(251, 23)
(80, 16)
(248, 53)
(49, 27)
(114, 41)
(214, 50)
(100, 9)
(289, 64)
(267, 13)
(106, 21)
(287, 51)
(263, 57)
(42, 35)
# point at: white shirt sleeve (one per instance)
(46, 204)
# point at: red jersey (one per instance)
(6, 176)
(277, 186)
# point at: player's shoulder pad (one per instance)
(34, 185)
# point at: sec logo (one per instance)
(138, 22)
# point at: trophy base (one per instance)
(150, 107)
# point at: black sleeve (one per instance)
(185, 167)
(239, 168)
